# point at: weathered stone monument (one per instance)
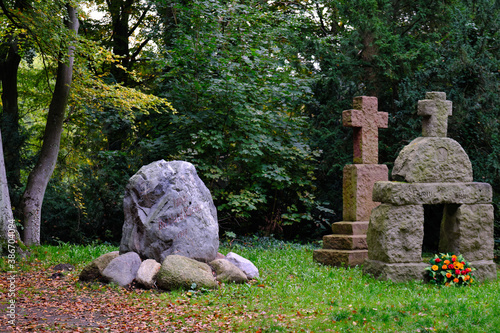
(432, 169)
(348, 244)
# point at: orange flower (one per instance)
(444, 267)
(467, 277)
(435, 267)
(446, 262)
(448, 275)
(455, 280)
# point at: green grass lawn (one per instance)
(295, 294)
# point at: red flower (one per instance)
(468, 270)
(457, 272)
(464, 272)
(453, 259)
(450, 266)
(438, 260)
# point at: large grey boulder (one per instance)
(169, 210)
(123, 269)
(93, 271)
(178, 272)
(146, 275)
(244, 264)
(228, 272)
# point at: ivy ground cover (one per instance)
(293, 294)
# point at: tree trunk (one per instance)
(31, 202)
(8, 228)
(9, 65)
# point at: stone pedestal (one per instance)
(347, 246)
(395, 232)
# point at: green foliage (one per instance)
(239, 116)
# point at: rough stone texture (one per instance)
(345, 242)
(485, 270)
(350, 227)
(432, 160)
(396, 233)
(123, 269)
(365, 120)
(179, 272)
(396, 272)
(146, 275)
(228, 272)
(93, 271)
(435, 110)
(168, 210)
(432, 193)
(468, 230)
(244, 264)
(357, 189)
(339, 258)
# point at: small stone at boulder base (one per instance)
(178, 272)
(146, 275)
(93, 271)
(228, 272)
(169, 210)
(244, 264)
(123, 269)
(63, 267)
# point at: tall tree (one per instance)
(31, 203)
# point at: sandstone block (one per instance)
(432, 160)
(485, 270)
(345, 242)
(397, 193)
(396, 233)
(358, 187)
(350, 227)
(340, 258)
(396, 272)
(468, 230)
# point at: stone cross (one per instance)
(435, 109)
(365, 120)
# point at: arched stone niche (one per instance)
(431, 170)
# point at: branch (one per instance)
(139, 20)
(139, 48)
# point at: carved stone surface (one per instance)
(396, 233)
(435, 110)
(396, 272)
(432, 160)
(340, 257)
(365, 120)
(345, 242)
(434, 170)
(357, 189)
(168, 210)
(468, 230)
(432, 193)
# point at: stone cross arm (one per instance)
(435, 109)
(365, 120)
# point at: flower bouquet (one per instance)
(450, 270)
